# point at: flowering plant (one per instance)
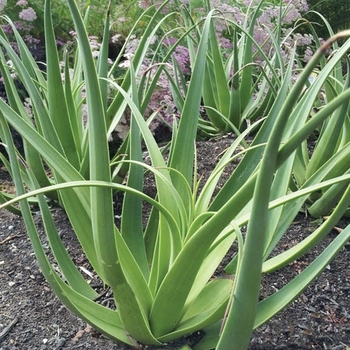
(24, 16)
(28, 19)
(25, 12)
(160, 274)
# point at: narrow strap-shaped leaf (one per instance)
(327, 143)
(235, 112)
(28, 72)
(249, 164)
(118, 104)
(134, 274)
(206, 194)
(33, 159)
(26, 56)
(173, 292)
(107, 321)
(220, 81)
(44, 147)
(208, 308)
(4, 198)
(214, 257)
(102, 62)
(215, 88)
(209, 99)
(43, 122)
(66, 265)
(132, 298)
(308, 243)
(159, 163)
(55, 92)
(167, 236)
(247, 74)
(277, 301)
(243, 309)
(132, 305)
(131, 225)
(103, 319)
(311, 125)
(75, 118)
(78, 202)
(102, 216)
(182, 151)
(329, 199)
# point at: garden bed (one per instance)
(318, 319)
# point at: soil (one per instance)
(31, 317)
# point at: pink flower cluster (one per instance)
(22, 16)
(27, 14)
(3, 4)
(172, 4)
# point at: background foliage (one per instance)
(337, 13)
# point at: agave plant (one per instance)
(328, 81)
(161, 274)
(57, 105)
(241, 82)
(229, 93)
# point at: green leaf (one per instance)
(173, 292)
(277, 301)
(131, 225)
(206, 309)
(182, 151)
(55, 93)
(102, 214)
(240, 320)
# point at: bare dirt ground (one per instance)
(31, 317)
